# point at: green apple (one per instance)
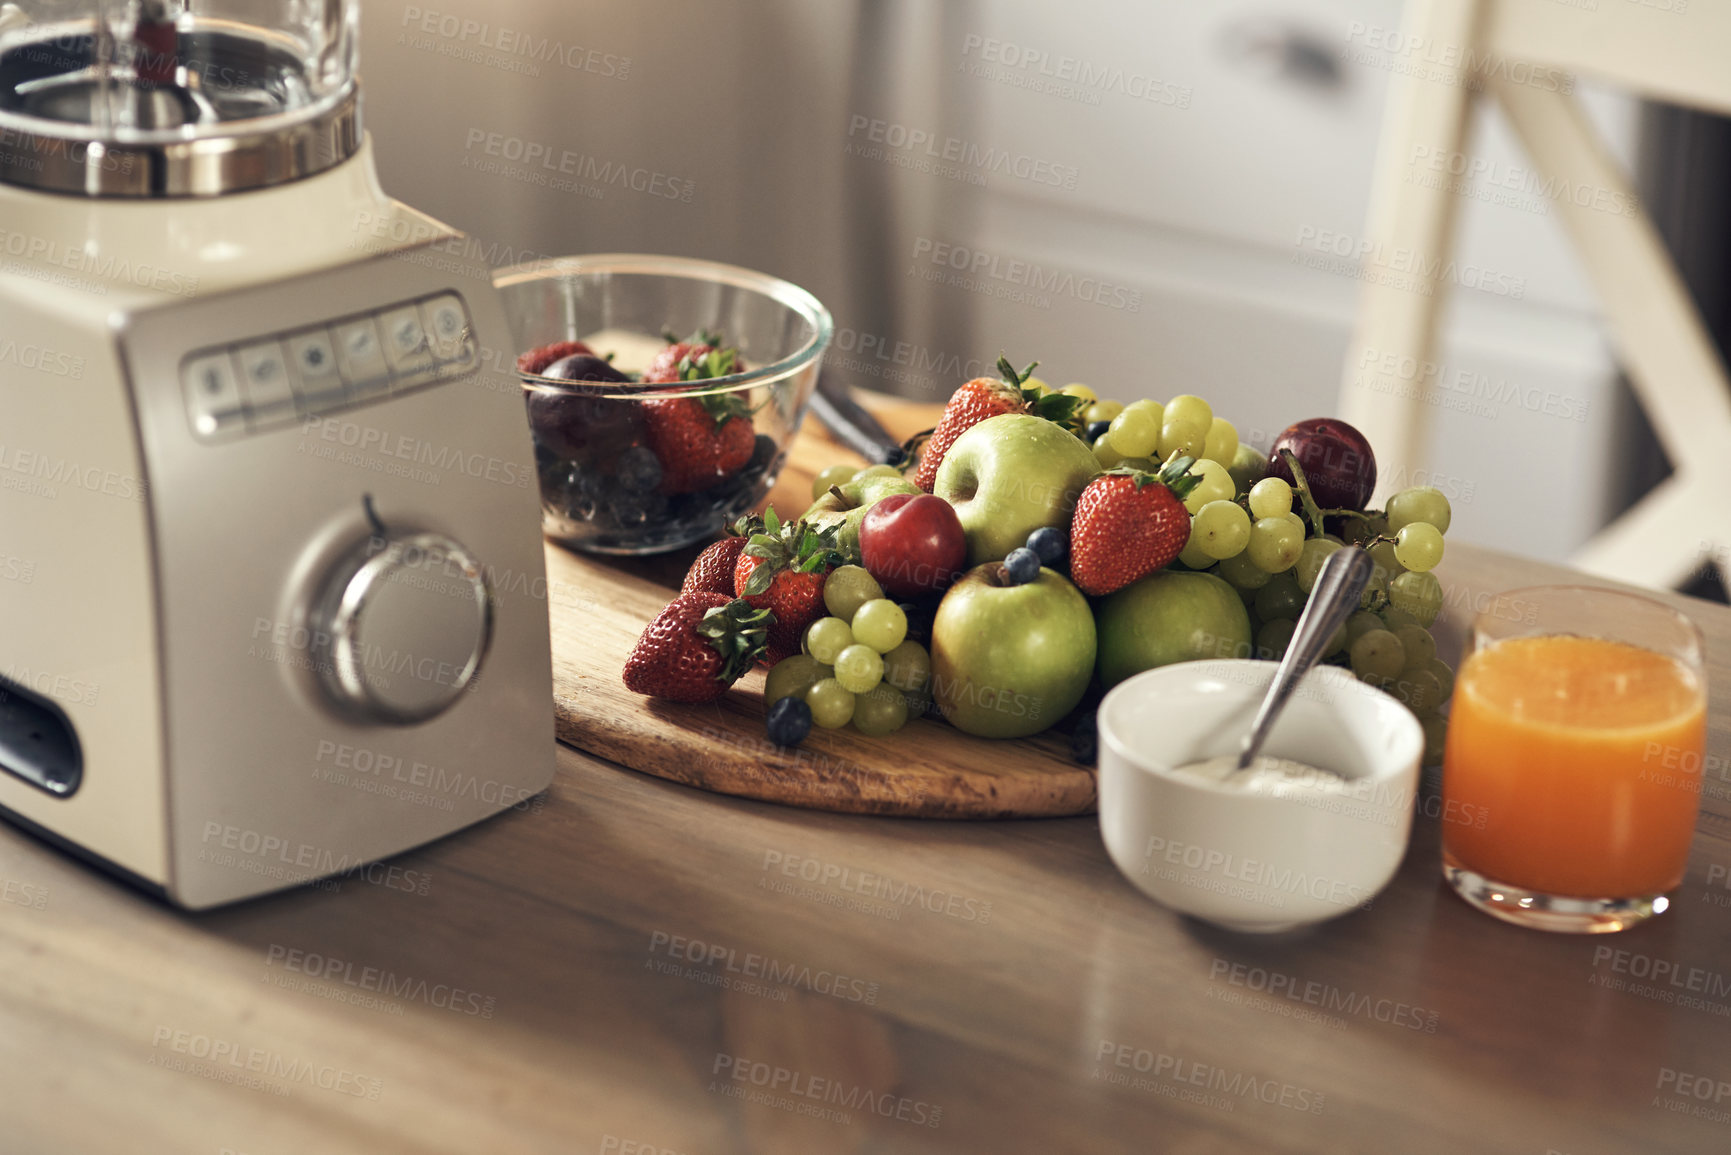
(1010, 475)
(1167, 617)
(1010, 660)
(847, 511)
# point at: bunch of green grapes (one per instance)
(858, 665)
(1143, 434)
(1250, 530)
(1261, 545)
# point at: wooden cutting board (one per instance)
(925, 770)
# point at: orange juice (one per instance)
(1581, 761)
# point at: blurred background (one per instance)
(1152, 198)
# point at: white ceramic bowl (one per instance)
(1255, 861)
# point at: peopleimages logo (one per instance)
(247, 1066)
(39, 473)
(442, 996)
(76, 151)
(800, 1092)
(544, 164)
(977, 268)
(750, 965)
(461, 33)
(67, 688)
(1427, 58)
(1069, 77)
(1388, 371)
(1401, 268)
(31, 356)
(877, 886)
(955, 150)
(1234, 1086)
(77, 259)
(1469, 172)
(1327, 996)
(418, 459)
(1217, 870)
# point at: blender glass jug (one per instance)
(174, 97)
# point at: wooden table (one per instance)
(635, 966)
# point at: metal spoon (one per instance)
(1332, 600)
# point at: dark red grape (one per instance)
(573, 425)
(1337, 461)
(583, 367)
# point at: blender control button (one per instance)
(447, 325)
(361, 358)
(314, 361)
(406, 347)
(403, 334)
(213, 398)
(264, 381)
(401, 626)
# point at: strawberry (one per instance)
(696, 648)
(697, 358)
(985, 397)
(1128, 524)
(536, 360)
(700, 440)
(782, 569)
(712, 572)
(703, 439)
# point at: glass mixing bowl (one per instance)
(611, 478)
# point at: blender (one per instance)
(272, 591)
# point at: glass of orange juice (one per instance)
(1574, 754)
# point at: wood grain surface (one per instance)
(612, 969)
(925, 770)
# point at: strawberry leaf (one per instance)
(761, 578)
(724, 407)
(709, 364)
(1058, 407)
(1174, 475)
(738, 632)
(1185, 481)
(1008, 371)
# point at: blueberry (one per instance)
(733, 502)
(1048, 544)
(577, 496)
(1096, 430)
(631, 510)
(638, 470)
(763, 451)
(1021, 567)
(764, 456)
(789, 722)
(1085, 740)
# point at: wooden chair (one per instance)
(1517, 51)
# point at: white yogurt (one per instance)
(1277, 777)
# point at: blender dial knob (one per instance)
(401, 626)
